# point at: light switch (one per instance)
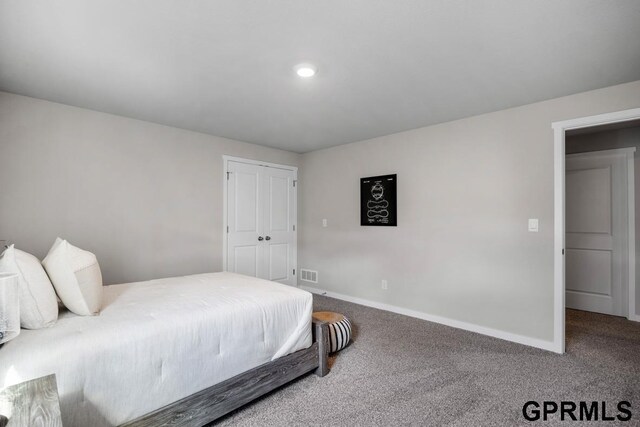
(533, 225)
(324, 222)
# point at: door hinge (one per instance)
(227, 228)
(294, 227)
(563, 251)
(228, 173)
(294, 182)
(294, 271)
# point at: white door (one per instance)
(279, 225)
(261, 216)
(597, 232)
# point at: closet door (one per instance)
(261, 216)
(596, 232)
(279, 225)
(245, 212)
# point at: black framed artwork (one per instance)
(378, 201)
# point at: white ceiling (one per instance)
(225, 67)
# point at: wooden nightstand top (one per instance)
(31, 403)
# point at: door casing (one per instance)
(226, 159)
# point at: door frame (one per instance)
(559, 130)
(225, 177)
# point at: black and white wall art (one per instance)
(378, 200)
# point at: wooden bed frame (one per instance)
(214, 402)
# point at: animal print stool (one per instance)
(339, 329)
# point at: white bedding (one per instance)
(158, 341)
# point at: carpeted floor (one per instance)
(405, 371)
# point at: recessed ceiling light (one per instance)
(305, 70)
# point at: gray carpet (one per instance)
(405, 371)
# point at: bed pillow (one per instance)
(38, 302)
(75, 274)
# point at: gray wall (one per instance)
(465, 191)
(608, 140)
(145, 198)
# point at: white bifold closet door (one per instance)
(261, 214)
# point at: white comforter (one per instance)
(158, 341)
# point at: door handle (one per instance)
(267, 238)
(260, 238)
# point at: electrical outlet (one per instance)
(385, 285)
(324, 222)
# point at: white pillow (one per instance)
(75, 274)
(38, 302)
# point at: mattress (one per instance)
(158, 341)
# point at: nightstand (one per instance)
(31, 403)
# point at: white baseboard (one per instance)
(520, 339)
(633, 317)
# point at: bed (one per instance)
(164, 348)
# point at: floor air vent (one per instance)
(309, 275)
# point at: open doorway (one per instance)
(595, 217)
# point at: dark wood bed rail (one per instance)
(214, 402)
